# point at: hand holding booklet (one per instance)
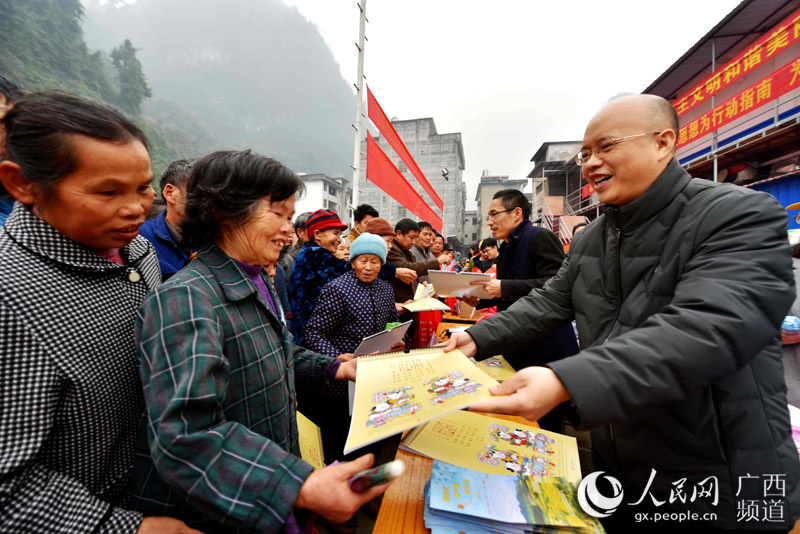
(424, 300)
(400, 390)
(452, 284)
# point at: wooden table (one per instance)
(404, 501)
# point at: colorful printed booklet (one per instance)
(424, 300)
(505, 504)
(452, 284)
(310, 442)
(400, 390)
(496, 446)
(497, 367)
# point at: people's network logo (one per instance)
(595, 503)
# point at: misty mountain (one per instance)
(237, 74)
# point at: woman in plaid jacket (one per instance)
(220, 449)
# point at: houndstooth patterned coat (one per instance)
(70, 395)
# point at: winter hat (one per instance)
(368, 244)
(322, 220)
(379, 226)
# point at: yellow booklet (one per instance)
(496, 446)
(424, 300)
(497, 367)
(310, 442)
(400, 390)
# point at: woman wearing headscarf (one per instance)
(353, 306)
(316, 265)
(73, 271)
(220, 371)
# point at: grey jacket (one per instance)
(678, 298)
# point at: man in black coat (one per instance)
(678, 290)
(529, 257)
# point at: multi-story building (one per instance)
(487, 187)
(472, 227)
(433, 153)
(737, 93)
(323, 191)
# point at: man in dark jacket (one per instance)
(406, 233)
(678, 291)
(529, 257)
(164, 232)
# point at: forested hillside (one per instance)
(197, 75)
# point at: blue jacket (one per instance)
(171, 258)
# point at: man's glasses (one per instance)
(493, 214)
(583, 156)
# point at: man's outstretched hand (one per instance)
(531, 393)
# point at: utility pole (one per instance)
(356, 166)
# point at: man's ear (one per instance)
(16, 184)
(169, 193)
(666, 143)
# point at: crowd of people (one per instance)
(153, 364)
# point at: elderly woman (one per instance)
(350, 308)
(220, 371)
(316, 265)
(72, 273)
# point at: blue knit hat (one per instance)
(368, 244)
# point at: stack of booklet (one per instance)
(460, 500)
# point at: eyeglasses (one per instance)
(493, 214)
(584, 155)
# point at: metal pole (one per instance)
(714, 135)
(359, 111)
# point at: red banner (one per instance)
(587, 190)
(384, 125)
(382, 172)
(768, 46)
(773, 86)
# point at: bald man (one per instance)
(678, 291)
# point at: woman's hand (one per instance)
(346, 357)
(463, 342)
(164, 525)
(347, 370)
(400, 345)
(326, 491)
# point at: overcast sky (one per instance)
(509, 74)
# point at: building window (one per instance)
(474, 237)
(332, 206)
(474, 220)
(332, 190)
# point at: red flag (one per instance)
(382, 172)
(379, 118)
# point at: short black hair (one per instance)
(177, 173)
(579, 225)
(423, 224)
(514, 198)
(301, 220)
(405, 226)
(40, 126)
(227, 187)
(489, 242)
(11, 89)
(362, 211)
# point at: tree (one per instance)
(133, 85)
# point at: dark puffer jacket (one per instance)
(678, 298)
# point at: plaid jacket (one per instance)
(219, 371)
(70, 396)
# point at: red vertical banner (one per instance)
(382, 172)
(384, 125)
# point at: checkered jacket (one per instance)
(219, 371)
(70, 396)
